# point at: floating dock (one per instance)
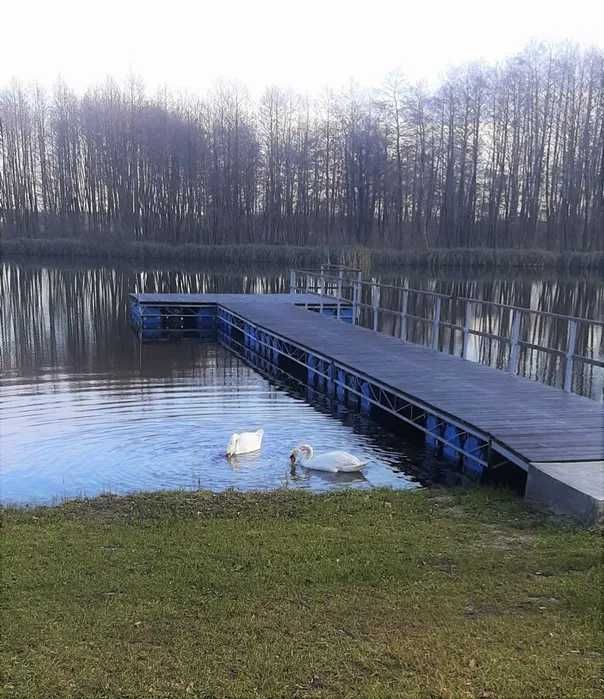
(478, 416)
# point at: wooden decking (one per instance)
(535, 423)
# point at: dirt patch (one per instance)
(503, 540)
(442, 499)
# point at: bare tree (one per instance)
(505, 156)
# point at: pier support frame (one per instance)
(256, 345)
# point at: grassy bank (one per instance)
(291, 255)
(385, 594)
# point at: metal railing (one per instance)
(331, 281)
(452, 323)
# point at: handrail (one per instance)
(534, 311)
(425, 292)
(512, 337)
(327, 267)
(468, 299)
(338, 266)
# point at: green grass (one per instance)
(381, 594)
(293, 255)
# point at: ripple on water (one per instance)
(67, 434)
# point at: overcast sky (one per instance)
(306, 44)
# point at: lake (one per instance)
(86, 409)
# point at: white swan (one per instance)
(244, 442)
(333, 461)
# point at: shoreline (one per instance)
(291, 255)
(137, 506)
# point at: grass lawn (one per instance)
(355, 594)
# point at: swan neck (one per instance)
(307, 452)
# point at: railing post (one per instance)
(357, 290)
(292, 281)
(436, 323)
(404, 306)
(321, 289)
(465, 343)
(375, 302)
(339, 292)
(514, 342)
(571, 343)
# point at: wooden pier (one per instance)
(480, 416)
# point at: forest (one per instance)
(496, 156)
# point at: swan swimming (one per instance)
(332, 461)
(244, 442)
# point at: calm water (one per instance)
(84, 409)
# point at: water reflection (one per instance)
(85, 408)
(301, 473)
(76, 315)
(68, 434)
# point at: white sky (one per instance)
(306, 45)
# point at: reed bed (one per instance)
(292, 255)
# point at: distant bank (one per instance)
(485, 258)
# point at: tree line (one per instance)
(507, 155)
